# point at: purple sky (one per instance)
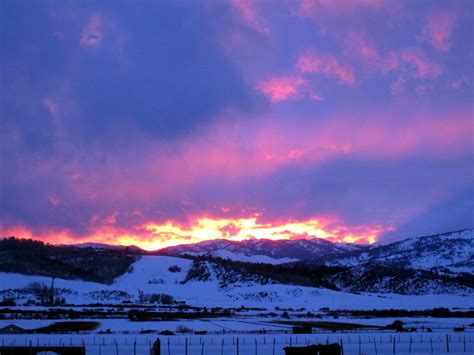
(164, 122)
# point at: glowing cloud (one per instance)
(313, 62)
(248, 11)
(153, 236)
(438, 29)
(317, 8)
(283, 88)
(413, 62)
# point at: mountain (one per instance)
(438, 264)
(449, 253)
(267, 251)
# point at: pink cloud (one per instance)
(286, 87)
(438, 29)
(312, 62)
(413, 61)
(281, 88)
(54, 201)
(424, 68)
(318, 8)
(51, 105)
(248, 11)
(92, 33)
(357, 42)
(423, 89)
(398, 87)
(231, 152)
(460, 83)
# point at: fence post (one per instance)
(431, 342)
(360, 346)
(222, 347)
(135, 347)
(394, 345)
(186, 346)
(169, 350)
(464, 343)
(202, 348)
(447, 343)
(342, 347)
(256, 352)
(375, 346)
(156, 349)
(409, 346)
(116, 347)
(238, 352)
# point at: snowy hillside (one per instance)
(449, 252)
(251, 270)
(162, 275)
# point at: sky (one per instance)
(158, 123)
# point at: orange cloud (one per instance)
(153, 236)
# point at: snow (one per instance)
(150, 274)
(368, 343)
(451, 251)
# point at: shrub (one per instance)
(174, 268)
(182, 329)
(8, 302)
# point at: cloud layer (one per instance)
(171, 123)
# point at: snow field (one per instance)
(150, 274)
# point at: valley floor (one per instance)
(151, 275)
(262, 326)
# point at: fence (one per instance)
(268, 344)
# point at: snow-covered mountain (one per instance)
(438, 264)
(265, 250)
(451, 252)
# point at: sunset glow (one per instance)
(162, 123)
(153, 236)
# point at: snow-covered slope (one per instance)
(265, 250)
(169, 275)
(449, 252)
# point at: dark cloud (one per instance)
(452, 214)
